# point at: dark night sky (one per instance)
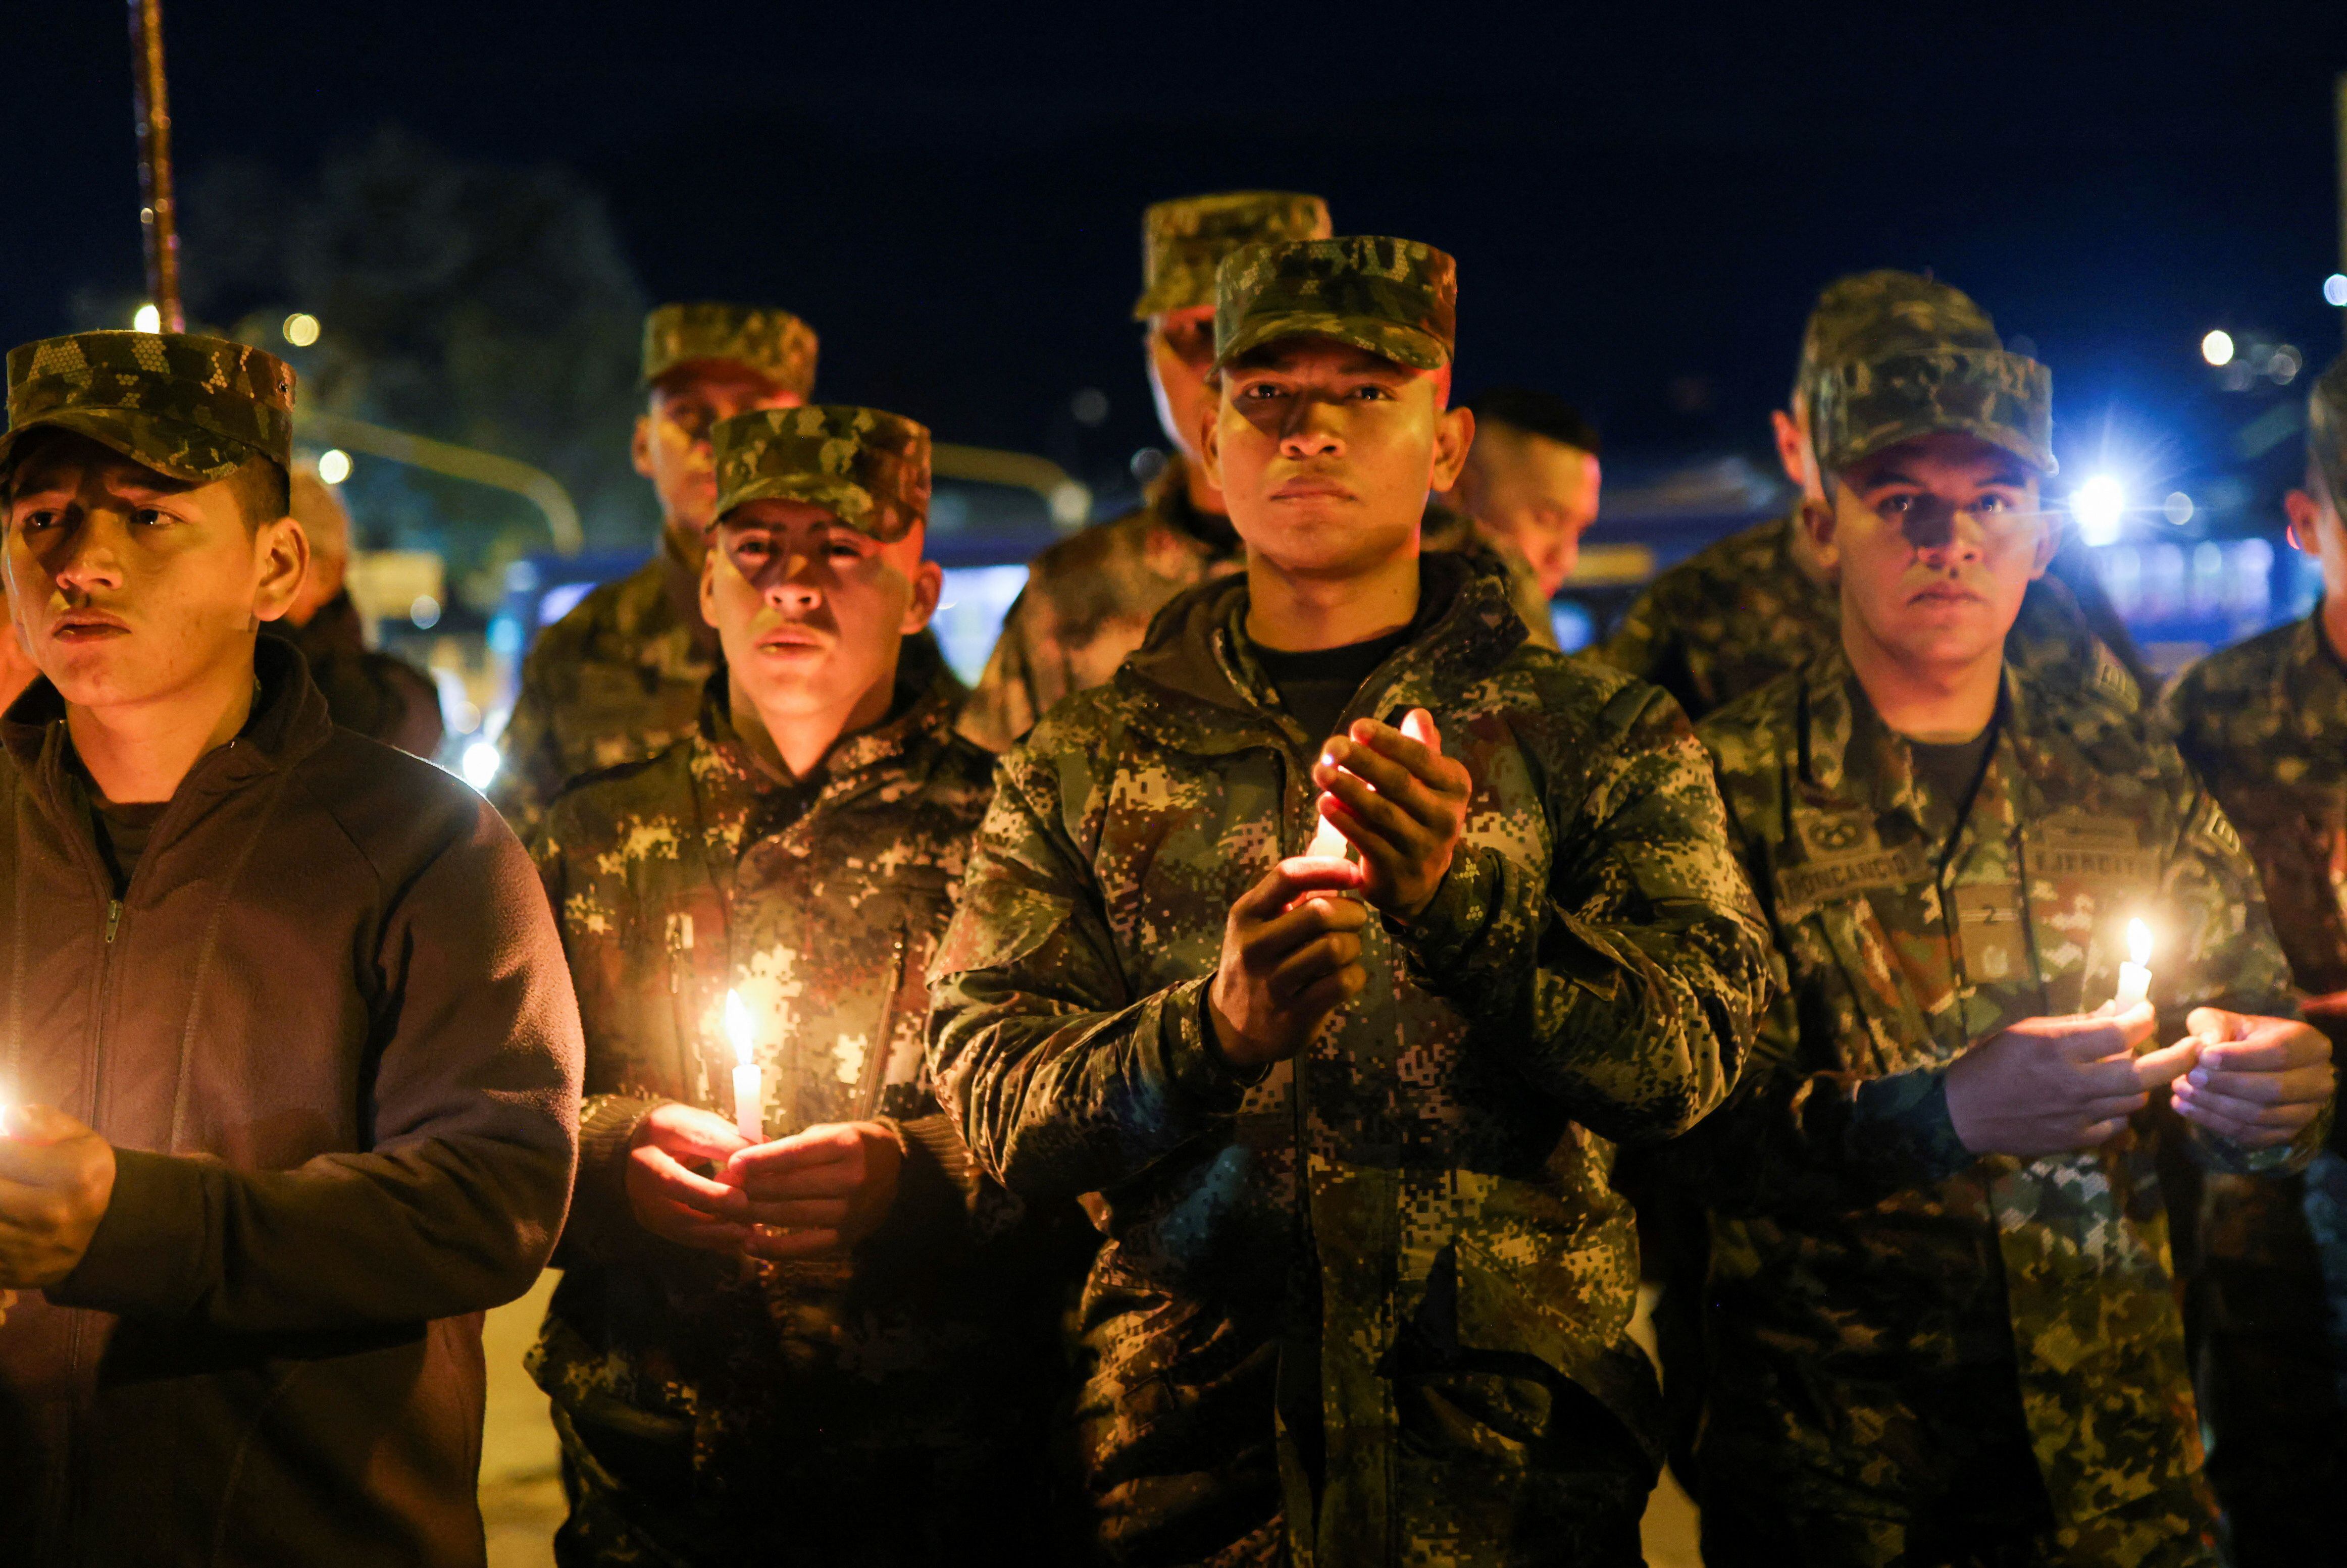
(1636, 196)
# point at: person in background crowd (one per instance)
(1532, 479)
(1737, 614)
(2265, 724)
(1088, 599)
(292, 1054)
(870, 1386)
(380, 696)
(619, 677)
(1349, 1121)
(1943, 1323)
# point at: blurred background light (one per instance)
(481, 762)
(334, 465)
(2099, 504)
(2217, 348)
(147, 319)
(301, 329)
(2334, 289)
(2177, 508)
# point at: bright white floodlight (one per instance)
(481, 764)
(2098, 505)
(2217, 348)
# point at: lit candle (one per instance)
(2134, 975)
(749, 1078)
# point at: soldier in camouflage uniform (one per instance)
(1349, 1121)
(2265, 724)
(1734, 616)
(1941, 1309)
(827, 1347)
(1089, 599)
(620, 678)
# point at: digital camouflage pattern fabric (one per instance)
(1183, 241)
(1877, 314)
(1738, 613)
(1403, 1242)
(2265, 724)
(776, 344)
(713, 1409)
(1088, 600)
(196, 408)
(1392, 297)
(1869, 405)
(868, 468)
(616, 679)
(1918, 1353)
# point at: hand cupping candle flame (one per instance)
(1327, 843)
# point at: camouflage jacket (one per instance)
(1087, 603)
(1404, 1241)
(1886, 1307)
(1089, 600)
(2265, 724)
(724, 1403)
(616, 681)
(1732, 617)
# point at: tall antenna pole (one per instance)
(150, 100)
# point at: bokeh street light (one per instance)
(2217, 348)
(334, 465)
(301, 329)
(2099, 504)
(2334, 289)
(147, 319)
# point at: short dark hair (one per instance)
(262, 488)
(1535, 414)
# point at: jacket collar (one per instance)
(1195, 686)
(288, 721)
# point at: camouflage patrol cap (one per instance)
(2326, 428)
(1877, 314)
(776, 344)
(1869, 405)
(194, 408)
(1392, 297)
(1184, 240)
(869, 469)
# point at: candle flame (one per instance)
(2138, 942)
(737, 1027)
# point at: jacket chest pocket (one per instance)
(1993, 933)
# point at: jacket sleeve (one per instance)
(470, 1113)
(1006, 703)
(1629, 985)
(1060, 1080)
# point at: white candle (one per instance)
(749, 1078)
(2134, 975)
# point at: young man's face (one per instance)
(1935, 541)
(810, 611)
(129, 588)
(672, 443)
(1538, 493)
(1181, 356)
(1325, 454)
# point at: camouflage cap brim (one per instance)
(1999, 397)
(191, 407)
(1389, 340)
(171, 448)
(851, 502)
